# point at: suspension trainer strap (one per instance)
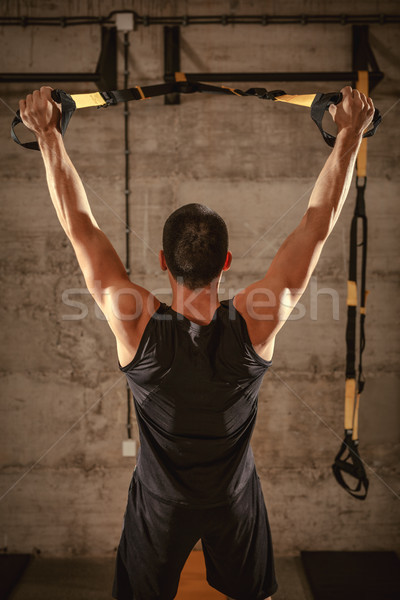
(318, 103)
(351, 462)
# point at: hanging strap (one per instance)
(351, 462)
(318, 103)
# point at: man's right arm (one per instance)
(267, 303)
(126, 305)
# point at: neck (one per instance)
(198, 306)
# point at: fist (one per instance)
(39, 112)
(354, 112)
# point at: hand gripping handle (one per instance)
(68, 107)
(322, 102)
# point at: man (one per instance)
(195, 368)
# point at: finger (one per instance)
(332, 110)
(22, 106)
(45, 91)
(358, 99)
(364, 103)
(363, 97)
(29, 100)
(371, 106)
(346, 91)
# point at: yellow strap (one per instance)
(362, 82)
(86, 100)
(300, 100)
(355, 420)
(231, 89)
(352, 400)
(364, 308)
(180, 76)
(362, 86)
(142, 96)
(351, 293)
(96, 99)
(349, 396)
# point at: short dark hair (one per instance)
(195, 243)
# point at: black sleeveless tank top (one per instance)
(195, 390)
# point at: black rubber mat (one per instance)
(12, 567)
(353, 575)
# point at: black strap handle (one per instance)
(322, 102)
(352, 465)
(68, 107)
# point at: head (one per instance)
(195, 246)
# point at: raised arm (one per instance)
(267, 303)
(126, 306)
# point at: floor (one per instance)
(91, 579)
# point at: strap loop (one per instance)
(68, 107)
(353, 466)
(322, 102)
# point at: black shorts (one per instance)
(157, 538)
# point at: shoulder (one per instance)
(132, 310)
(256, 325)
(243, 327)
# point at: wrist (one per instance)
(49, 140)
(48, 136)
(348, 140)
(350, 134)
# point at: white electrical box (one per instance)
(124, 21)
(129, 448)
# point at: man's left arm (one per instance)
(267, 303)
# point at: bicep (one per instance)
(100, 264)
(126, 306)
(296, 259)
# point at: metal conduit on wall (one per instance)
(186, 20)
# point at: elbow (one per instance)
(80, 227)
(319, 222)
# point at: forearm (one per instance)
(65, 186)
(332, 185)
(299, 254)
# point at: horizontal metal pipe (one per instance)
(22, 77)
(205, 77)
(184, 20)
(269, 20)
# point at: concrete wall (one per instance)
(63, 478)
